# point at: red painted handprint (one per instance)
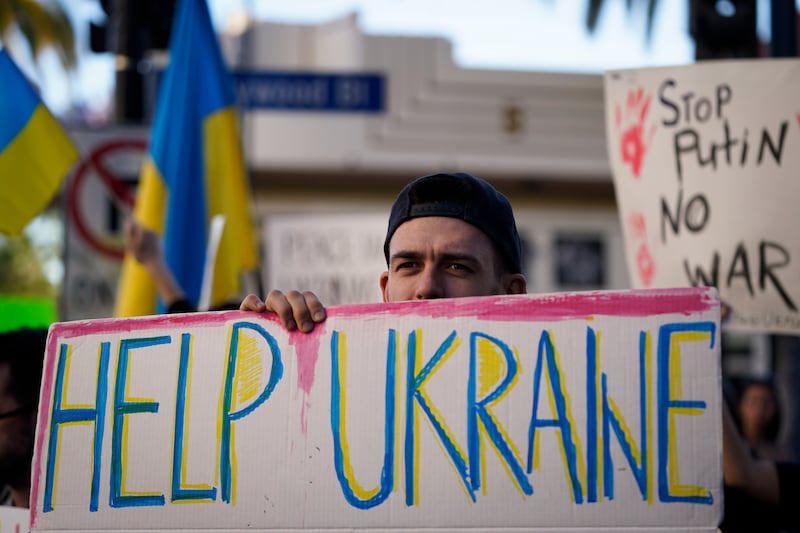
(645, 264)
(633, 145)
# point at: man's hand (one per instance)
(293, 308)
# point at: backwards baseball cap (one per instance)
(463, 196)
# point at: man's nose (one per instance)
(429, 285)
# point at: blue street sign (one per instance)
(307, 91)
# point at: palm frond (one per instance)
(63, 35)
(44, 24)
(593, 14)
(6, 15)
(651, 15)
(594, 9)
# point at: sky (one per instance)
(532, 35)
(535, 35)
(506, 34)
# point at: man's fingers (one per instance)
(278, 303)
(315, 307)
(300, 311)
(296, 310)
(252, 302)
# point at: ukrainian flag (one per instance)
(194, 170)
(35, 152)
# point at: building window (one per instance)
(580, 262)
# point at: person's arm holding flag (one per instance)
(145, 246)
(194, 171)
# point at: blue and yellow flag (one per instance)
(35, 152)
(194, 170)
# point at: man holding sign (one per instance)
(450, 235)
(263, 428)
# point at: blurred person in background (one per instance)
(21, 358)
(758, 483)
(759, 416)
(772, 488)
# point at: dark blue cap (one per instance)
(463, 196)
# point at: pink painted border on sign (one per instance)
(548, 307)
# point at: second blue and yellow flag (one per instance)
(35, 151)
(194, 170)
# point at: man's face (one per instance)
(443, 257)
(16, 434)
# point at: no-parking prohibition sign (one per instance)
(117, 187)
(98, 195)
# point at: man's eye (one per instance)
(406, 264)
(459, 267)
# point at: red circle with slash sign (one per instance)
(117, 188)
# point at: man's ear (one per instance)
(515, 284)
(384, 282)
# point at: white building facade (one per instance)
(319, 164)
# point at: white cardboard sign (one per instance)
(705, 161)
(568, 411)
